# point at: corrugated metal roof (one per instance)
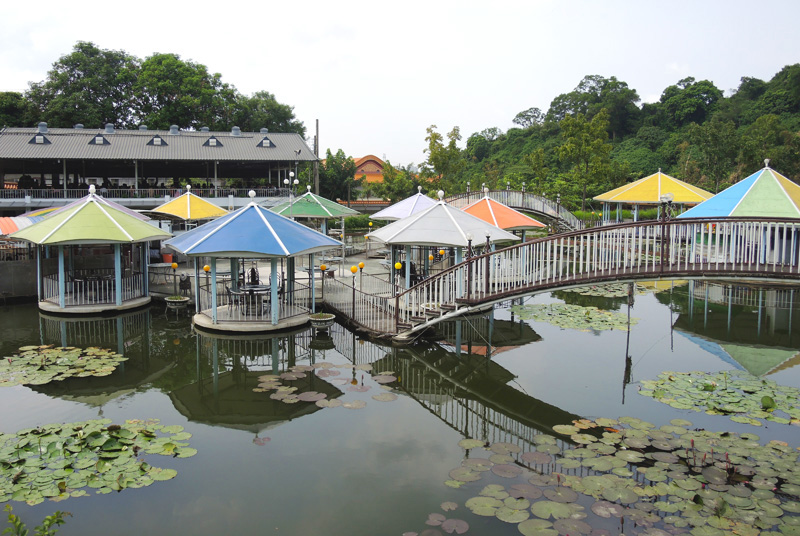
(74, 144)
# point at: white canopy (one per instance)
(441, 225)
(405, 208)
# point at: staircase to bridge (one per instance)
(724, 248)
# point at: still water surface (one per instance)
(268, 467)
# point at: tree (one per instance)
(690, 101)
(528, 118)
(538, 166)
(769, 138)
(12, 109)
(398, 183)
(446, 161)
(170, 91)
(718, 145)
(337, 178)
(90, 86)
(586, 147)
(262, 110)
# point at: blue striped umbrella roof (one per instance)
(253, 232)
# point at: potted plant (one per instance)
(322, 320)
(176, 301)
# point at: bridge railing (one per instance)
(701, 247)
(520, 200)
(370, 311)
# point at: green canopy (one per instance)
(309, 205)
(93, 222)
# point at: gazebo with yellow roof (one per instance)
(649, 191)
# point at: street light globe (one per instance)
(286, 182)
(361, 265)
(323, 267)
(430, 257)
(296, 182)
(398, 265)
(354, 269)
(370, 224)
(291, 174)
(174, 265)
(441, 252)
(206, 268)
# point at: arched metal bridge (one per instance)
(724, 248)
(526, 201)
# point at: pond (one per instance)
(555, 389)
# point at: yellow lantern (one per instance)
(206, 268)
(398, 265)
(370, 224)
(174, 265)
(430, 257)
(323, 267)
(361, 265)
(441, 252)
(354, 269)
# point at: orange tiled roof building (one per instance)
(371, 167)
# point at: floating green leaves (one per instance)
(607, 290)
(57, 461)
(573, 316)
(743, 397)
(37, 365)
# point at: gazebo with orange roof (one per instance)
(502, 216)
(648, 191)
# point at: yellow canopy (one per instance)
(189, 207)
(647, 191)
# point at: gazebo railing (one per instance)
(252, 306)
(375, 313)
(91, 287)
(147, 192)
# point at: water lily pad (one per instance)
(448, 506)
(465, 474)
(551, 509)
(608, 509)
(572, 526)
(536, 458)
(561, 494)
(511, 515)
(506, 470)
(457, 526)
(483, 506)
(355, 404)
(470, 443)
(383, 378)
(537, 527)
(525, 491)
(385, 397)
(311, 396)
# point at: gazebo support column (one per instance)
(235, 274)
(313, 286)
(273, 290)
(61, 279)
(118, 274)
(213, 290)
(196, 286)
(39, 273)
(408, 266)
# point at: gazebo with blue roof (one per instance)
(252, 232)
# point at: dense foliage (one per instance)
(598, 137)
(92, 86)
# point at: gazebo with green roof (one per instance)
(101, 265)
(314, 207)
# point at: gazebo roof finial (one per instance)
(252, 194)
(419, 189)
(440, 193)
(188, 187)
(92, 188)
(766, 162)
(308, 188)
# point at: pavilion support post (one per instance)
(408, 266)
(213, 263)
(136, 176)
(458, 337)
(234, 274)
(196, 286)
(393, 261)
(118, 274)
(146, 269)
(120, 338)
(313, 286)
(64, 173)
(289, 294)
(61, 279)
(344, 249)
(39, 272)
(273, 290)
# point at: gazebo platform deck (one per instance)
(227, 322)
(96, 308)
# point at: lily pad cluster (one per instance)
(630, 476)
(744, 397)
(608, 290)
(290, 394)
(37, 365)
(573, 316)
(58, 461)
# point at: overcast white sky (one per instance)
(377, 74)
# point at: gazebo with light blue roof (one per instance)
(252, 232)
